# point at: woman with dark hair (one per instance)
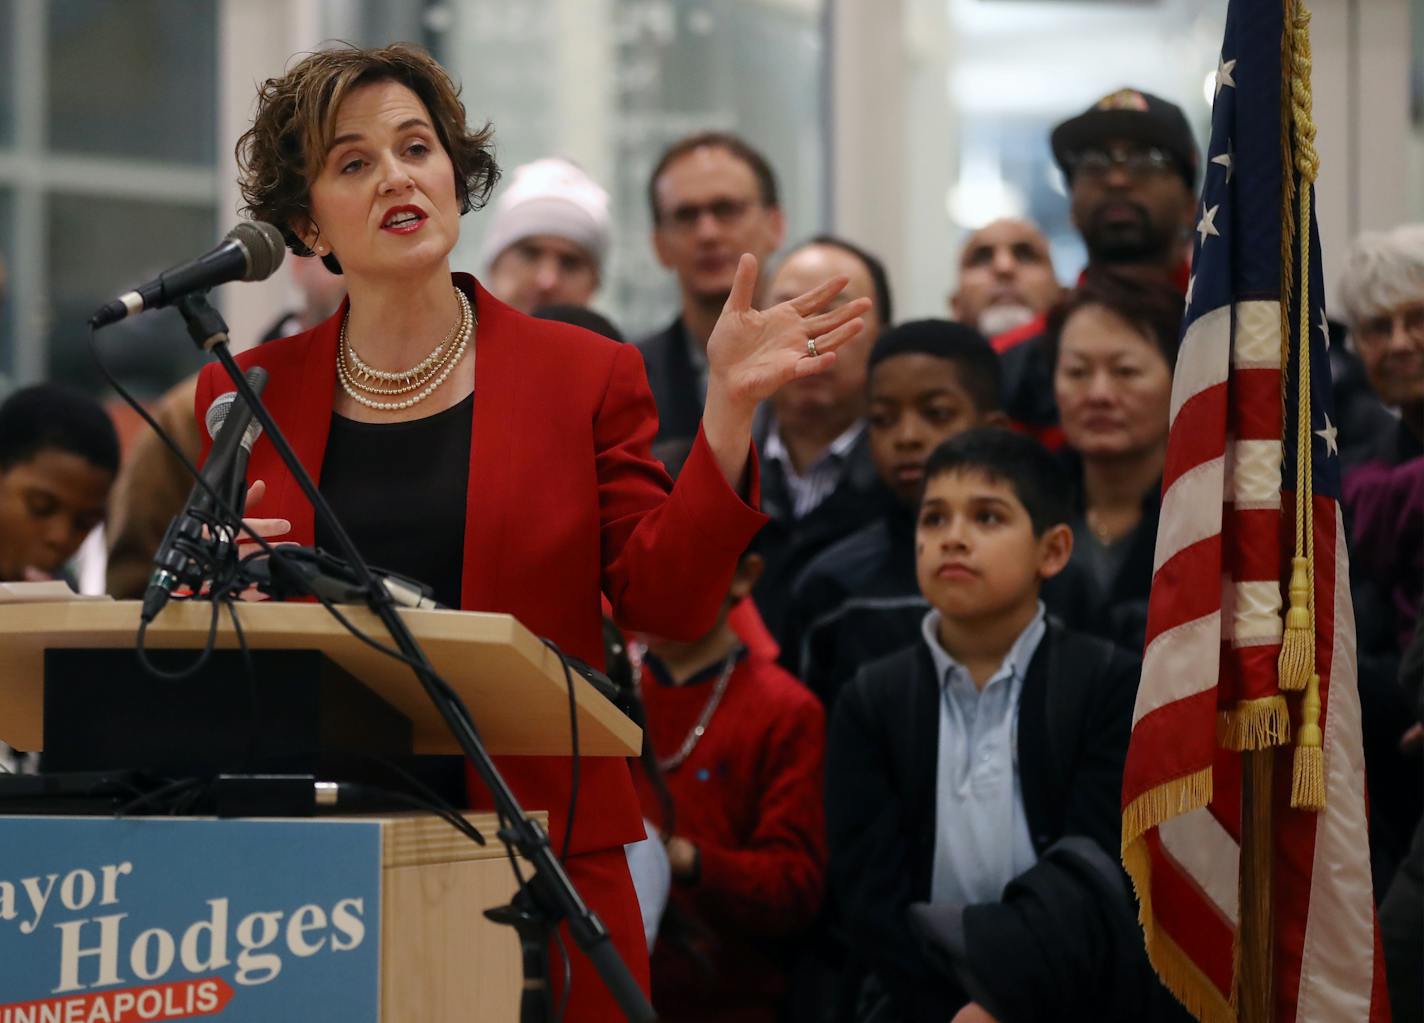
(1114, 342)
(503, 459)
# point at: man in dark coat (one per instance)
(713, 197)
(819, 482)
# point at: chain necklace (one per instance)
(719, 690)
(363, 372)
(433, 370)
(353, 376)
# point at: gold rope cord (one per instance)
(1297, 663)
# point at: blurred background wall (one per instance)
(902, 124)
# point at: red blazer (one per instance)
(565, 503)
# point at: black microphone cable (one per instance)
(574, 745)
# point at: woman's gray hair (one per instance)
(1383, 270)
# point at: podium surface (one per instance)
(513, 684)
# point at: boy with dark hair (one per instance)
(973, 778)
(927, 380)
(59, 454)
(740, 747)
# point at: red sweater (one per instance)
(749, 797)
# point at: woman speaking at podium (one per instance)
(505, 460)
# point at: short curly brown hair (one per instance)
(281, 154)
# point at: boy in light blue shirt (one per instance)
(974, 778)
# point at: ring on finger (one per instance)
(811, 347)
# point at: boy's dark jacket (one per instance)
(1067, 953)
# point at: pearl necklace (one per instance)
(360, 371)
(428, 375)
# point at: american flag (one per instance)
(1209, 679)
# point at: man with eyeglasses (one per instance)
(712, 198)
(1131, 164)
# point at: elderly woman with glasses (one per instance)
(503, 459)
(1382, 294)
(1382, 291)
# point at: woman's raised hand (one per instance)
(753, 352)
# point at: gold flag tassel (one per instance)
(1298, 642)
(1297, 661)
(1308, 781)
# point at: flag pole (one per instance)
(1255, 943)
(1255, 960)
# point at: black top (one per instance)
(400, 491)
(1117, 582)
(1026, 383)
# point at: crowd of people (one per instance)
(885, 784)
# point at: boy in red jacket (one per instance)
(739, 744)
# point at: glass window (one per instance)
(380, 22)
(610, 84)
(99, 248)
(7, 72)
(1004, 82)
(1415, 152)
(135, 79)
(7, 305)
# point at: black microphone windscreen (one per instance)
(264, 247)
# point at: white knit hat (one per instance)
(550, 196)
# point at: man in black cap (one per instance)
(1131, 164)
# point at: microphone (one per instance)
(219, 413)
(252, 251)
(310, 571)
(230, 425)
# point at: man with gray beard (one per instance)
(1006, 277)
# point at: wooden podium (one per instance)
(512, 683)
(440, 959)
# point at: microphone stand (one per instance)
(549, 895)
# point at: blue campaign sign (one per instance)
(141, 919)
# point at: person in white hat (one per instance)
(549, 237)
